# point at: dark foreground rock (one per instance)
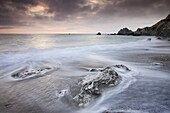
(160, 29)
(125, 31)
(92, 85)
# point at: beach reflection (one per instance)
(42, 41)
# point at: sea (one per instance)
(67, 57)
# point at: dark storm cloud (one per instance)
(15, 12)
(64, 9)
(133, 8)
(66, 6)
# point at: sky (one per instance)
(79, 16)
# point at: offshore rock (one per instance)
(98, 33)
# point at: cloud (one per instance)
(12, 12)
(6, 27)
(33, 12)
(133, 8)
(18, 12)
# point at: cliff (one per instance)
(161, 28)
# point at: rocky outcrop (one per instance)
(160, 29)
(92, 85)
(125, 31)
(144, 31)
(98, 33)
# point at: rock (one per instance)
(161, 28)
(98, 33)
(125, 31)
(149, 39)
(157, 64)
(168, 17)
(48, 68)
(113, 112)
(112, 34)
(8, 105)
(26, 73)
(92, 85)
(61, 93)
(123, 66)
(93, 70)
(106, 112)
(143, 31)
(81, 105)
(159, 38)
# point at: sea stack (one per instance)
(98, 33)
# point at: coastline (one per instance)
(161, 29)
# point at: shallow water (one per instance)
(143, 90)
